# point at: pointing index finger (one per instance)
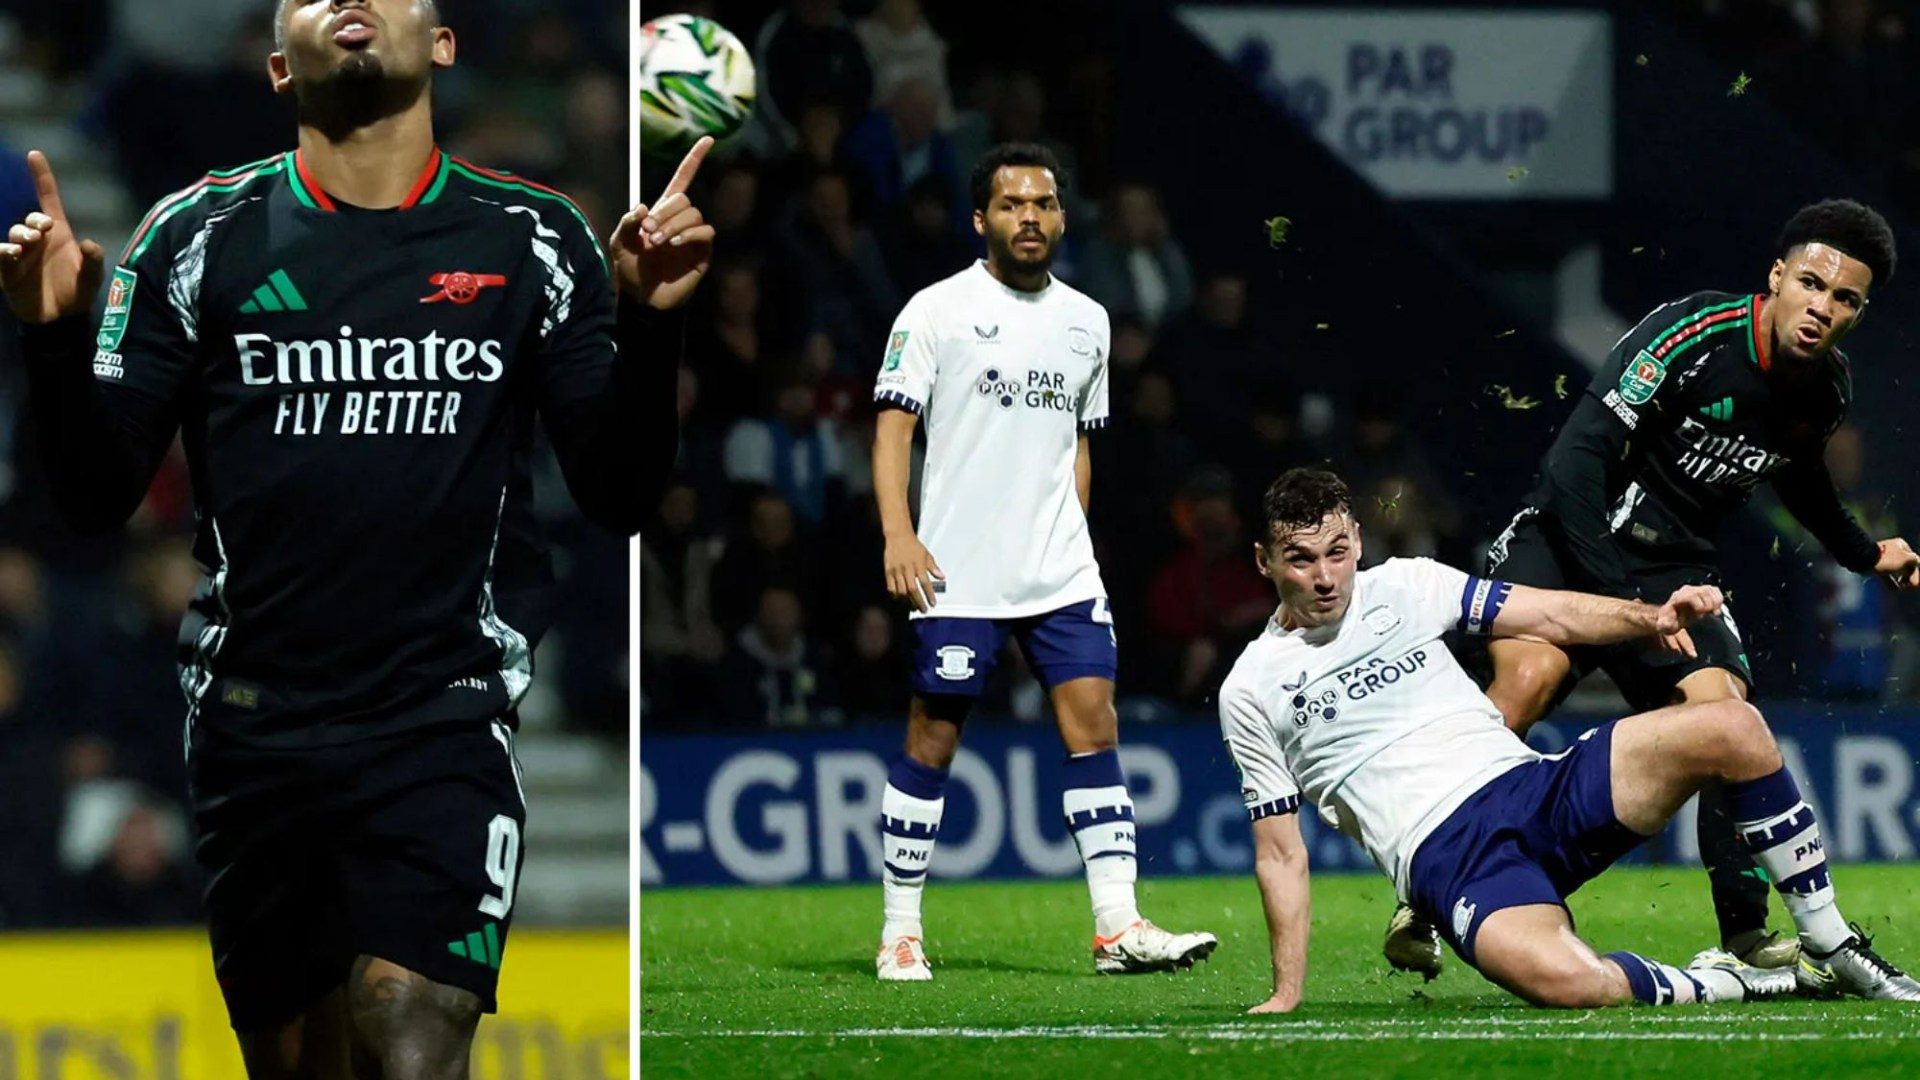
(44, 186)
(689, 165)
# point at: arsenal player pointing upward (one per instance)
(355, 340)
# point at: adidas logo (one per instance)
(278, 294)
(1719, 410)
(481, 947)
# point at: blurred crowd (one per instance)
(763, 602)
(1863, 54)
(93, 782)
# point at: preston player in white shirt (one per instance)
(1349, 700)
(1008, 368)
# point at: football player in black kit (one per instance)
(355, 340)
(1706, 398)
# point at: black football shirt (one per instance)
(1688, 416)
(357, 393)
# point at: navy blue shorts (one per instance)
(955, 656)
(1532, 835)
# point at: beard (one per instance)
(359, 91)
(1006, 255)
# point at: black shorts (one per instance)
(1532, 553)
(405, 848)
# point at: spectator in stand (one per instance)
(771, 553)
(1852, 614)
(900, 145)
(731, 342)
(125, 849)
(728, 344)
(1236, 400)
(1206, 602)
(849, 562)
(837, 263)
(857, 450)
(546, 50)
(1135, 351)
(1132, 264)
(596, 141)
(1016, 111)
(150, 103)
(738, 212)
(901, 45)
(66, 38)
(821, 131)
(773, 676)
(679, 640)
(701, 461)
(794, 451)
(1143, 460)
(56, 625)
(922, 246)
(509, 122)
(809, 53)
(1399, 497)
(118, 715)
(838, 392)
(872, 675)
(1859, 51)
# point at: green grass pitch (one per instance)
(779, 982)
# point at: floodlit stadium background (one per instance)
(132, 100)
(1399, 240)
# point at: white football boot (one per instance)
(903, 960)
(1145, 947)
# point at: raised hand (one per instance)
(661, 252)
(1898, 564)
(45, 271)
(1688, 605)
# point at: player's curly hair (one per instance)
(1017, 155)
(1301, 499)
(1851, 228)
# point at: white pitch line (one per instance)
(1296, 1032)
(1709, 1015)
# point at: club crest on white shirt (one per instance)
(1381, 619)
(1080, 340)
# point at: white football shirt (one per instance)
(1371, 718)
(1004, 381)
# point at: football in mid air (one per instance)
(696, 78)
